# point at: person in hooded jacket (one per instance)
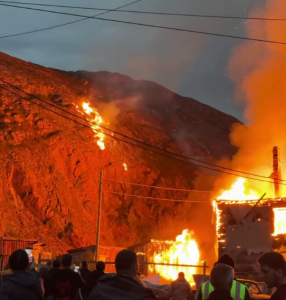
(123, 285)
(23, 284)
(221, 279)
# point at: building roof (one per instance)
(83, 249)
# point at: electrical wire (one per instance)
(158, 199)
(147, 12)
(135, 23)
(67, 23)
(156, 187)
(136, 145)
(142, 142)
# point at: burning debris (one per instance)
(125, 166)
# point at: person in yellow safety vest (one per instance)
(238, 291)
(221, 279)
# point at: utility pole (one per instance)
(96, 252)
(99, 215)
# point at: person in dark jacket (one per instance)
(273, 267)
(65, 284)
(221, 279)
(122, 286)
(23, 284)
(84, 272)
(95, 276)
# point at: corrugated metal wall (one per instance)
(8, 246)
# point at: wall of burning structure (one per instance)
(247, 229)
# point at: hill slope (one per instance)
(50, 165)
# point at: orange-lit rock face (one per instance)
(49, 173)
(184, 251)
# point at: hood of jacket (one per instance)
(120, 287)
(22, 283)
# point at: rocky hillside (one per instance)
(50, 165)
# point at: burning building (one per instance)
(248, 227)
(168, 258)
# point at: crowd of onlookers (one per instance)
(59, 281)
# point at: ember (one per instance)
(183, 251)
(125, 166)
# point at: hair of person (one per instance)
(49, 263)
(125, 259)
(226, 260)
(221, 277)
(56, 264)
(273, 260)
(181, 275)
(67, 260)
(100, 266)
(84, 264)
(19, 260)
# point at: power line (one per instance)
(144, 143)
(138, 141)
(65, 24)
(134, 23)
(156, 187)
(153, 198)
(147, 12)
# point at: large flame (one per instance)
(239, 191)
(279, 220)
(184, 251)
(96, 120)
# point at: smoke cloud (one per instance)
(259, 72)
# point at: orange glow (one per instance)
(125, 166)
(279, 220)
(96, 120)
(238, 191)
(183, 251)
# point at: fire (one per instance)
(279, 220)
(183, 251)
(96, 120)
(238, 191)
(125, 166)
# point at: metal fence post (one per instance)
(205, 268)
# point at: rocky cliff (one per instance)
(50, 165)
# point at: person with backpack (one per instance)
(65, 284)
(23, 284)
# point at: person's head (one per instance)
(273, 267)
(221, 277)
(181, 275)
(56, 264)
(126, 263)
(19, 261)
(49, 263)
(84, 264)
(226, 260)
(67, 261)
(100, 266)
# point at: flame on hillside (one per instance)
(95, 119)
(184, 251)
(125, 166)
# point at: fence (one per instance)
(204, 266)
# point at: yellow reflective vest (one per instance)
(237, 290)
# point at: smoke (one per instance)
(259, 73)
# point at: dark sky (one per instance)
(192, 65)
